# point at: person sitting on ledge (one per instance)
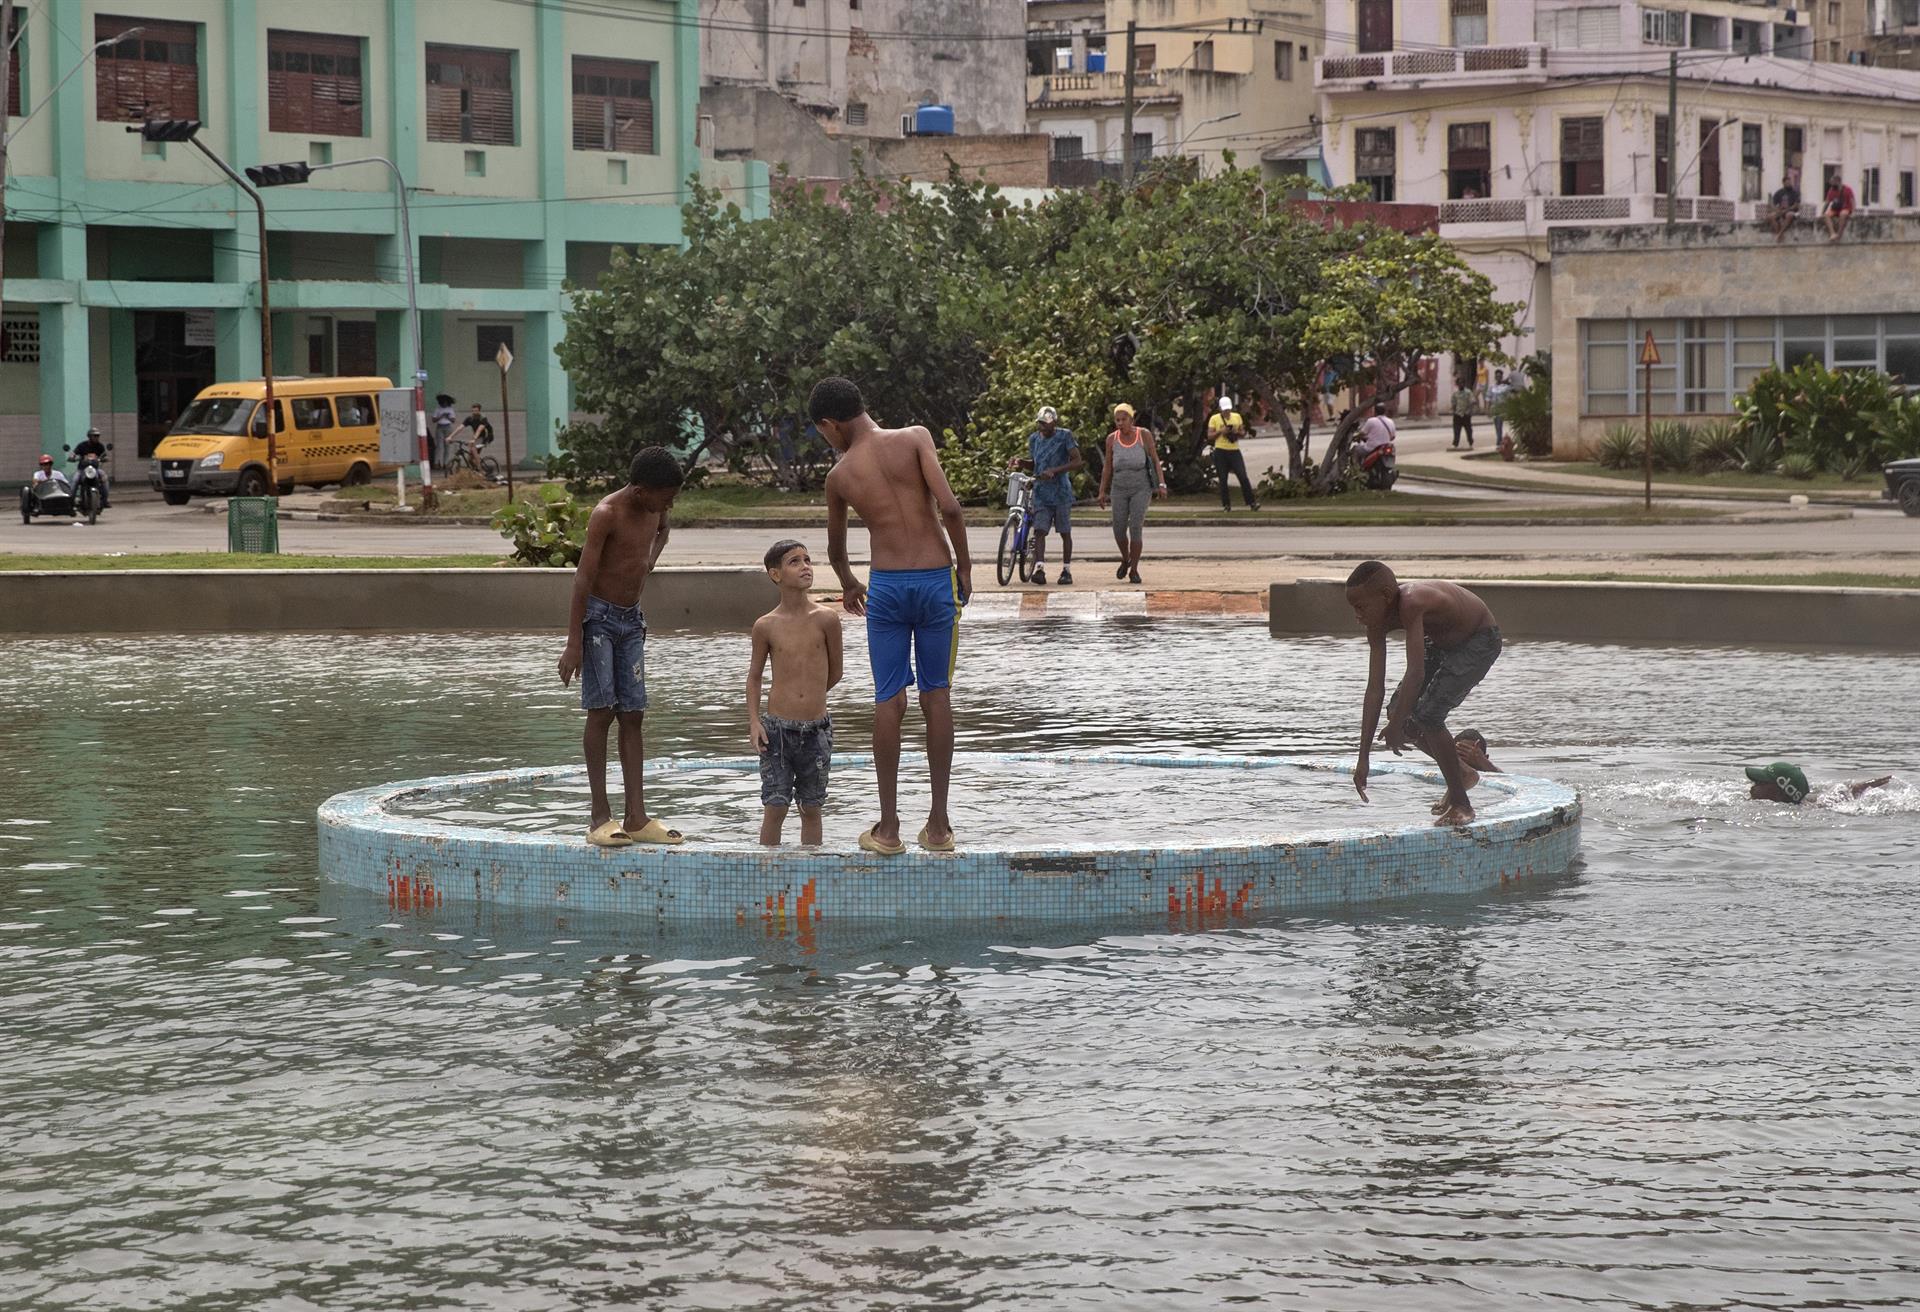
(1785, 210)
(1452, 641)
(1784, 781)
(1838, 207)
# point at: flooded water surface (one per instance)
(1682, 1075)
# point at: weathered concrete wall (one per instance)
(267, 601)
(1017, 160)
(756, 123)
(1640, 612)
(1714, 270)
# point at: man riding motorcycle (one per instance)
(91, 445)
(48, 470)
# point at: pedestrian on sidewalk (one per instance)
(1131, 476)
(1226, 430)
(1462, 412)
(1497, 392)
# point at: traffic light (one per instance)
(279, 175)
(167, 129)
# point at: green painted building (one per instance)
(535, 136)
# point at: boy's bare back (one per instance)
(885, 479)
(1448, 613)
(801, 647)
(629, 539)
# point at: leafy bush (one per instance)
(1760, 454)
(1824, 414)
(1799, 464)
(551, 529)
(1716, 446)
(1896, 431)
(1857, 466)
(1528, 409)
(1620, 448)
(1672, 446)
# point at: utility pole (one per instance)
(1126, 110)
(1673, 136)
(6, 122)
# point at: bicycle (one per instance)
(1015, 532)
(462, 454)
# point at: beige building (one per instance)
(1724, 303)
(805, 84)
(1210, 77)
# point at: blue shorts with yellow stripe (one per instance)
(913, 625)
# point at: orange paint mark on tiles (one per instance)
(1243, 603)
(1184, 603)
(1032, 601)
(1173, 901)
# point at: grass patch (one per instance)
(1822, 579)
(232, 560)
(1731, 479)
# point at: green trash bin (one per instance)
(253, 524)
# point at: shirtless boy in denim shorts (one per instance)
(1452, 641)
(795, 736)
(607, 640)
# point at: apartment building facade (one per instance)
(533, 140)
(805, 83)
(1210, 77)
(1518, 117)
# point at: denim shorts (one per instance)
(1052, 519)
(798, 758)
(1452, 673)
(613, 658)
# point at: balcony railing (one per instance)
(1539, 212)
(1068, 88)
(1471, 63)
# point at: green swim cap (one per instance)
(1783, 775)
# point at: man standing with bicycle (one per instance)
(1053, 454)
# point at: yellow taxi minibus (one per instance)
(329, 432)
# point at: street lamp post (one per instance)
(281, 175)
(188, 130)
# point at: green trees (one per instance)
(955, 309)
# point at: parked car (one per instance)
(1903, 484)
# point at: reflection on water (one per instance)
(1680, 1076)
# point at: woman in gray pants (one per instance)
(1130, 477)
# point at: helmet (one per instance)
(1048, 414)
(1226, 404)
(46, 460)
(93, 432)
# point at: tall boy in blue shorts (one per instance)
(891, 478)
(607, 640)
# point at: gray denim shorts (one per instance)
(1452, 673)
(613, 658)
(796, 763)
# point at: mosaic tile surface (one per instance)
(421, 863)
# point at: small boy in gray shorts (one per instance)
(794, 738)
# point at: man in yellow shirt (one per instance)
(1226, 430)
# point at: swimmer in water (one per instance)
(1784, 781)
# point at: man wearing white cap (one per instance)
(1053, 454)
(1226, 429)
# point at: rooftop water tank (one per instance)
(933, 121)
(1096, 61)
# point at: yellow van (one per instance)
(329, 432)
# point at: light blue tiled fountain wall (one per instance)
(1529, 828)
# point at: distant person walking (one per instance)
(1497, 393)
(440, 423)
(1225, 430)
(1462, 413)
(1130, 477)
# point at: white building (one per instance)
(1515, 116)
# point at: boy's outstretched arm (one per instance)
(599, 524)
(756, 667)
(1370, 707)
(952, 518)
(853, 593)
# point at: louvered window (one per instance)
(313, 84)
(613, 105)
(154, 73)
(470, 95)
(13, 61)
(1582, 157)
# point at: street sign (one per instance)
(1649, 353)
(504, 358)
